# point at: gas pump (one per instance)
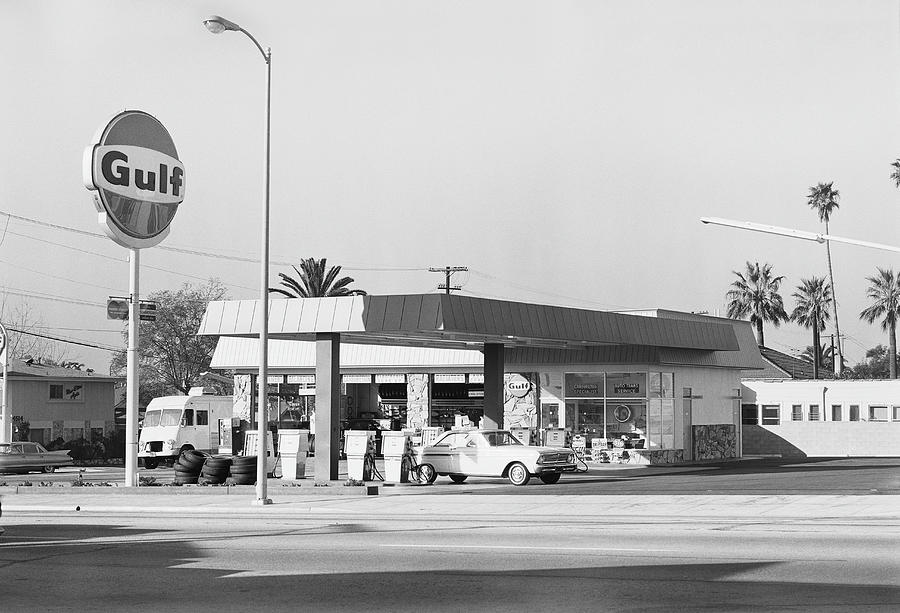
(399, 457)
(359, 445)
(293, 447)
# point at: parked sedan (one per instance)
(491, 453)
(23, 457)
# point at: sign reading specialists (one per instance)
(138, 180)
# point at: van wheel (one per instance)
(151, 463)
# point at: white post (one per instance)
(132, 381)
(5, 419)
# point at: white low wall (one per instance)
(822, 439)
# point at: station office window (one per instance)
(836, 412)
(896, 413)
(878, 413)
(797, 412)
(749, 414)
(771, 414)
(814, 412)
(854, 412)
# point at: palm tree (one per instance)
(895, 174)
(884, 291)
(823, 199)
(313, 281)
(813, 296)
(755, 293)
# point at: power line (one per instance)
(448, 272)
(66, 340)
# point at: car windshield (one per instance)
(170, 417)
(500, 439)
(151, 418)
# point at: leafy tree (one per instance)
(813, 296)
(884, 292)
(875, 366)
(172, 356)
(755, 294)
(823, 199)
(314, 281)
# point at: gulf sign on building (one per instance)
(138, 180)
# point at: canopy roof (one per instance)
(450, 321)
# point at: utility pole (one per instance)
(448, 272)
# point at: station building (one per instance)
(665, 382)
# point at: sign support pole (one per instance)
(132, 381)
(5, 418)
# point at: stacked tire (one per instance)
(243, 470)
(188, 467)
(215, 470)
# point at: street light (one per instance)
(217, 25)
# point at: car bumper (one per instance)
(554, 468)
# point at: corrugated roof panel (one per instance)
(393, 313)
(496, 315)
(534, 322)
(212, 318)
(412, 309)
(342, 310)
(293, 308)
(308, 315)
(357, 319)
(243, 316)
(472, 319)
(429, 316)
(325, 316)
(277, 308)
(375, 310)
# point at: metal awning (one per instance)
(443, 320)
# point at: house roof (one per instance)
(783, 366)
(451, 321)
(31, 369)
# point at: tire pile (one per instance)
(196, 467)
(188, 466)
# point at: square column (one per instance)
(493, 386)
(328, 406)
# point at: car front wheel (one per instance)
(551, 478)
(427, 474)
(458, 478)
(49, 469)
(518, 474)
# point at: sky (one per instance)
(563, 151)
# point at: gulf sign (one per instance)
(133, 169)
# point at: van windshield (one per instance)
(170, 417)
(151, 418)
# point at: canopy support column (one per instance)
(328, 405)
(493, 386)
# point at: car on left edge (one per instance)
(26, 456)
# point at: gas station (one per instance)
(587, 364)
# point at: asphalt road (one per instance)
(763, 476)
(369, 563)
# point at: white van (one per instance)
(173, 424)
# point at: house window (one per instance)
(814, 412)
(854, 412)
(878, 413)
(895, 413)
(56, 391)
(771, 414)
(836, 412)
(797, 412)
(66, 392)
(749, 414)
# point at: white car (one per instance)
(491, 453)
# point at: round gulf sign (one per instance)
(138, 180)
(518, 386)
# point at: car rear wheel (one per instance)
(551, 478)
(458, 478)
(518, 474)
(427, 474)
(151, 463)
(49, 469)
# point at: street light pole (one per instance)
(217, 25)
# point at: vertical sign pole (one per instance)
(5, 419)
(132, 381)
